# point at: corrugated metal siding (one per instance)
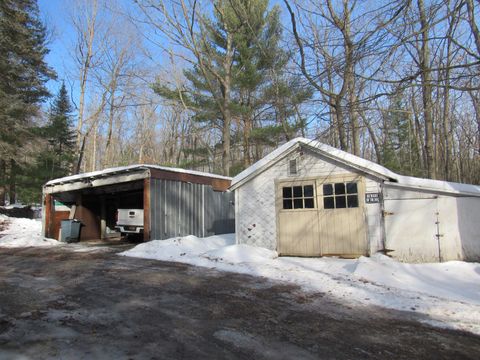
(179, 209)
(219, 212)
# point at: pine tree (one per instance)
(57, 157)
(61, 135)
(23, 74)
(211, 79)
(239, 64)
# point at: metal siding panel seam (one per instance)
(203, 210)
(153, 213)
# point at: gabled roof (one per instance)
(352, 161)
(128, 169)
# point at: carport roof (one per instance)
(355, 162)
(128, 169)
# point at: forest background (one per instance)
(215, 85)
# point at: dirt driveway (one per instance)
(56, 303)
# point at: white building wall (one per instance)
(468, 220)
(255, 214)
(428, 227)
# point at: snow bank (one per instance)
(183, 249)
(237, 254)
(455, 280)
(447, 293)
(21, 232)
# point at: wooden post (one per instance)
(146, 209)
(48, 215)
(103, 218)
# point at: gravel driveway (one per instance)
(93, 304)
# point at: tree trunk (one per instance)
(414, 146)
(3, 177)
(115, 73)
(373, 137)
(473, 24)
(12, 182)
(226, 143)
(227, 115)
(353, 114)
(94, 149)
(446, 124)
(349, 79)
(80, 156)
(340, 121)
(427, 93)
(476, 105)
(88, 36)
(247, 129)
(418, 131)
(106, 154)
(447, 134)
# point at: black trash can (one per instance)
(70, 230)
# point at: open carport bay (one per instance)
(96, 208)
(175, 202)
(91, 303)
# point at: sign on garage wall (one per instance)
(372, 198)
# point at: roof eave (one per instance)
(350, 164)
(266, 166)
(428, 189)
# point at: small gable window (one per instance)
(292, 167)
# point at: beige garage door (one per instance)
(322, 217)
(297, 218)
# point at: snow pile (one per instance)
(447, 293)
(21, 232)
(183, 249)
(454, 280)
(237, 254)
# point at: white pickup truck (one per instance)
(130, 221)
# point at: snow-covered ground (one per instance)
(20, 232)
(448, 294)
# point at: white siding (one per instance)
(255, 201)
(419, 217)
(468, 220)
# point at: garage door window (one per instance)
(340, 195)
(298, 197)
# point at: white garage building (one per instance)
(309, 199)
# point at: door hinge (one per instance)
(386, 213)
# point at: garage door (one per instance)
(322, 217)
(298, 219)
